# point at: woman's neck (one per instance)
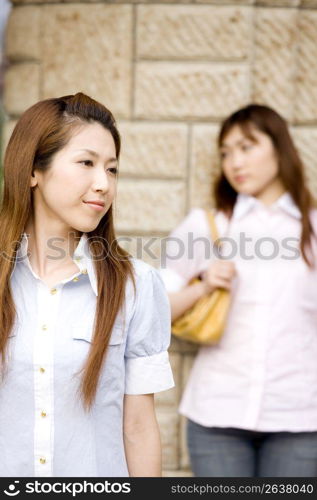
(50, 247)
(271, 193)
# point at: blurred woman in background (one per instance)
(251, 400)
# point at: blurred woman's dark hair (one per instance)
(291, 170)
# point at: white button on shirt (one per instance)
(44, 430)
(263, 373)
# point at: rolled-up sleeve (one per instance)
(147, 366)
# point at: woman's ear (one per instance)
(33, 181)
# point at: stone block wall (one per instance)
(170, 72)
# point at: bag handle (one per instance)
(213, 227)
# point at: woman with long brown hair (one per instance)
(251, 400)
(84, 328)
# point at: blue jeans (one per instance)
(230, 452)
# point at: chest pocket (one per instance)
(81, 343)
(83, 331)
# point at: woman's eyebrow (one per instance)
(236, 143)
(93, 153)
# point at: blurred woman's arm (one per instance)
(218, 275)
(184, 299)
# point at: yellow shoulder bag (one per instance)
(204, 323)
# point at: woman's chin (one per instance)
(246, 191)
(86, 228)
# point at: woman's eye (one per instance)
(88, 163)
(246, 147)
(223, 155)
(113, 170)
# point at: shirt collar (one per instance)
(245, 203)
(82, 258)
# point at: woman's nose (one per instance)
(236, 160)
(101, 180)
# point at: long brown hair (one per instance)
(291, 169)
(42, 130)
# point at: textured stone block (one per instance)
(149, 206)
(153, 150)
(155, 1)
(230, 2)
(21, 87)
(147, 248)
(25, 2)
(306, 81)
(214, 2)
(169, 429)
(177, 473)
(170, 398)
(88, 48)
(312, 4)
(182, 346)
(23, 34)
(187, 32)
(184, 457)
(204, 165)
(188, 360)
(113, 1)
(305, 139)
(274, 62)
(278, 3)
(189, 91)
(6, 133)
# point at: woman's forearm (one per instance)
(141, 436)
(186, 298)
(143, 452)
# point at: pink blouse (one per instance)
(263, 373)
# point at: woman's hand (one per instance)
(219, 275)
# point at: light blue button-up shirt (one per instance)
(44, 430)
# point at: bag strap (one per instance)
(212, 225)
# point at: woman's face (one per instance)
(250, 166)
(83, 171)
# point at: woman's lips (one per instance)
(95, 206)
(240, 178)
